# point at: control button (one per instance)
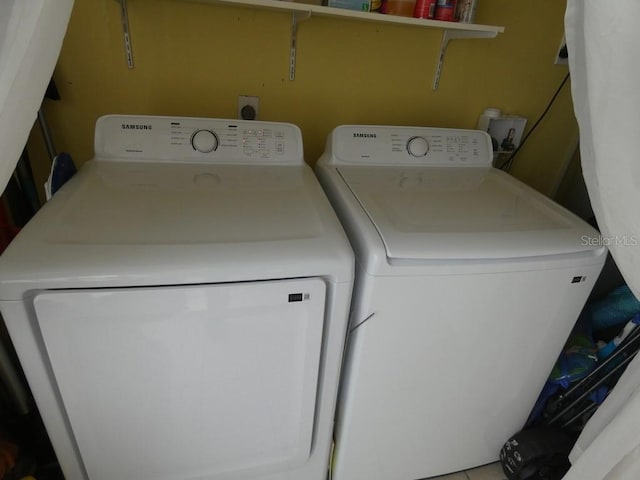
(204, 141)
(417, 146)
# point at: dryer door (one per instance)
(188, 381)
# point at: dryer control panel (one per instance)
(205, 140)
(378, 145)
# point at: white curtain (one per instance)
(603, 39)
(31, 33)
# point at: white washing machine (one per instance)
(468, 283)
(180, 306)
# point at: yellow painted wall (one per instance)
(195, 59)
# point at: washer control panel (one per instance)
(197, 140)
(377, 145)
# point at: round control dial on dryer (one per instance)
(417, 146)
(204, 141)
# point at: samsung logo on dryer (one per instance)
(136, 126)
(364, 135)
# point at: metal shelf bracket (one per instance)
(124, 17)
(296, 18)
(448, 35)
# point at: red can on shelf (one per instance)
(425, 9)
(445, 10)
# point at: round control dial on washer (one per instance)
(417, 146)
(204, 141)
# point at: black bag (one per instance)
(540, 453)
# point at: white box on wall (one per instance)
(506, 134)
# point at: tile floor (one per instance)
(492, 471)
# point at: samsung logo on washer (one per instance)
(135, 126)
(364, 135)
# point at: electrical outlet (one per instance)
(562, 57)
(248, 107)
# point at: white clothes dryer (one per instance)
(179, 307)
(468, 283)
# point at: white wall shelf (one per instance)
(479, 31)
(303, 11)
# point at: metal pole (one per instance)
(47, 135)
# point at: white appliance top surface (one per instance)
(135, 221)
(439, 206)
(146, 204)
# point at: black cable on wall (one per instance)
(508, 163)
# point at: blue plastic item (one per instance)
(573, 364)
(62, 170)
(616, 308)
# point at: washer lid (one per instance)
(463, 213)
(176, 204)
